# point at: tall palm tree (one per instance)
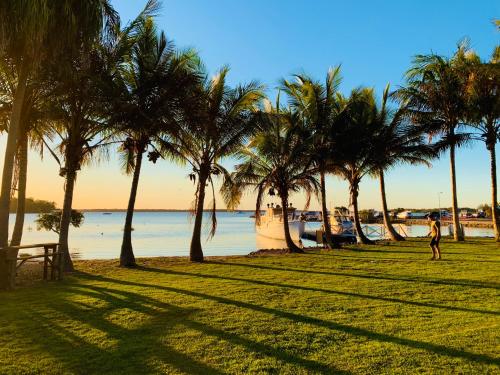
(148, 92)
(355, 149)
(35, 131)
(396, 141)
(35, 127)
(275, 162)
(27, 29)
(483, 81)
(214, 128)
(318, 104)
(435, 98)
(81, 86)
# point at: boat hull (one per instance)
(276, 231)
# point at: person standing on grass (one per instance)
(435, 234)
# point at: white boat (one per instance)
(271, 224)
(341, 223)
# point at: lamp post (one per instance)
(439, 204)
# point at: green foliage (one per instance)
(384, 309)
(34, 206)
(150, 92)
(51, 221)
(276, 161)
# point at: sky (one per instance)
(374, 41)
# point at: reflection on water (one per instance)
(169, 234)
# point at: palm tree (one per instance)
(35, 127)
(483, 80)
(27, 29)
(319, 105)
(81, 111)
(355, 150)
(276, 162)
(395, 142)
(214, 128)
(35, 131)
(435, 98)
(154, 83)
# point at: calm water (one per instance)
(169, 234)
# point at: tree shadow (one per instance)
(135, 348)
(351, 330)
(456, 282)
(423, 258)
(326, 291)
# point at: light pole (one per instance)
(439, 204)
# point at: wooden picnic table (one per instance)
(52, 258)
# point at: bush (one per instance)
(51, 221)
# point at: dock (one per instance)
(318, 236)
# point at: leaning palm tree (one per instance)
(483, 81)
(214, 128)
(275, 162)
(396, 141)
(27, 30)
(146, 101)
(435, 98)
(320, 108)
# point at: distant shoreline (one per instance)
(149, 210)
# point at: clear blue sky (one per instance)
(267, 40)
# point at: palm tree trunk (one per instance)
(21, 190)
(66, 218)
(494, 197)
(457, 232)
(127, 258)
(10, 151)
(395, 236)
(354, 198)
(326, 219)
(196, 251)
(288, 238)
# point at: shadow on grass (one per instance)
(447, 282)
(327, 291)
(355, 331)
(136, 350)
(423, 258)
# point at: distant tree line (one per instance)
(33, 206)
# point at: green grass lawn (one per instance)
(371, 309)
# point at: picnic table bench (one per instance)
(10, 262)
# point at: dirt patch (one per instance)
(29, 273)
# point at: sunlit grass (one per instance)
(372, 309)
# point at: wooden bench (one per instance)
(52, 258)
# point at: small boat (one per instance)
(107, 213)
(271, 224)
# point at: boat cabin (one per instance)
(276, 212)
